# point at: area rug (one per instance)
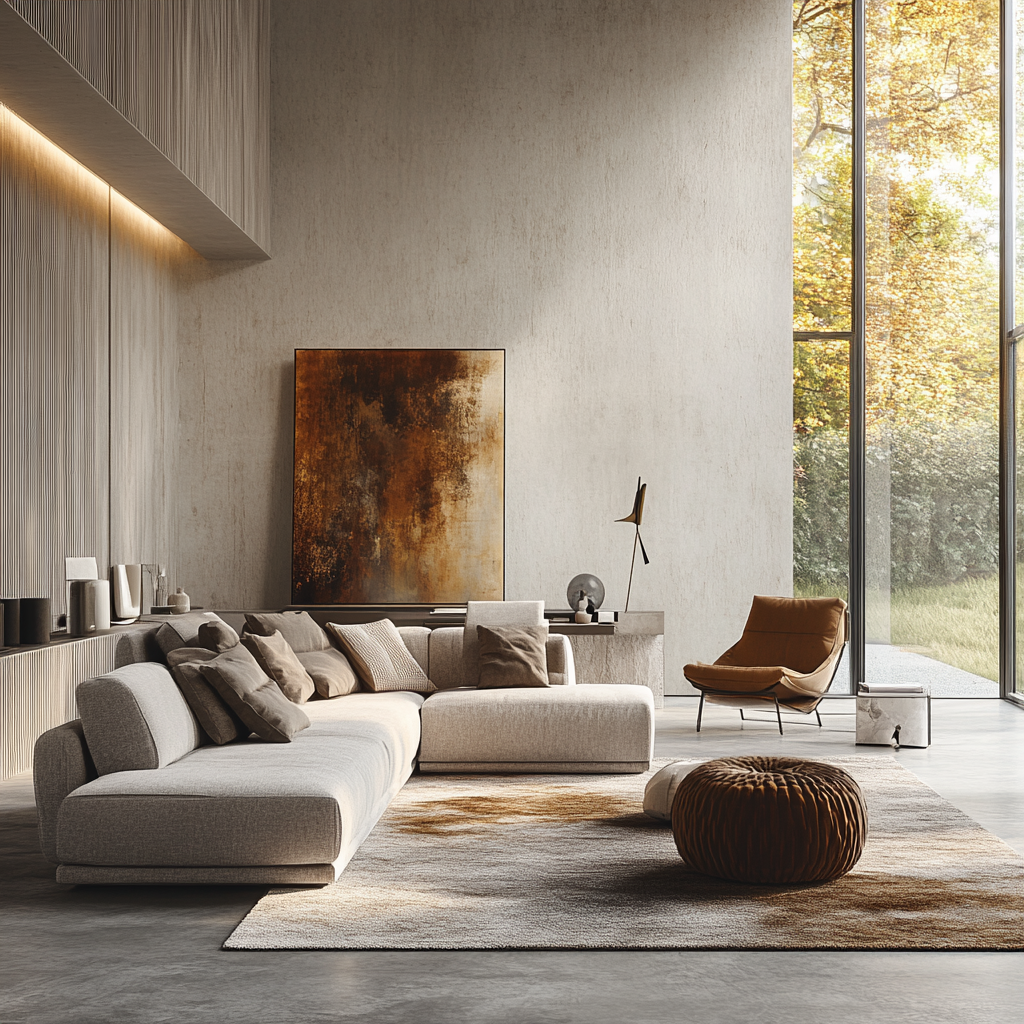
(571, 862)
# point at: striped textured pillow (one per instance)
(380, 657)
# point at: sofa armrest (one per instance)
(60, 764)
(561, 663)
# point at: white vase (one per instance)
(178, 602)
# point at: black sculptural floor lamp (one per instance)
(636, 517)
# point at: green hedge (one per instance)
(943, 512)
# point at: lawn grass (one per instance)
(956, 623)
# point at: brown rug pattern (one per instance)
(571, 862)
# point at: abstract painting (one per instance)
(399, 491)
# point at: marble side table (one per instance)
(879, 716)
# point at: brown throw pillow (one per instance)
(182, 630)
(331, 672)
(512, 656)
(254, 696)
(219, 722)
(217, 636)
(298, 628)
(380, 657)
(278, 660)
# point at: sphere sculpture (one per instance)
(769, 820)
(590, 585)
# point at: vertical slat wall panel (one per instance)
(54, 455)
(191, 75)
(143, 380)
(37, 692)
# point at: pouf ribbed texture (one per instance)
(769, 820)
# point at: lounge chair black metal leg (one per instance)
(818, 714)
(778, 712)
(700, 711)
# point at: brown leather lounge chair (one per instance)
(788, 656)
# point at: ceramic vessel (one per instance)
(178, 602)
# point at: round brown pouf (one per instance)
(769, 820)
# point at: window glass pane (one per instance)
(1017, 72)
(822, 206)
(822, 96)
(932, 330)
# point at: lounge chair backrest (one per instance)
(795, 633)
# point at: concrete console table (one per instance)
(631, 650)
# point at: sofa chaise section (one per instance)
(246, 813)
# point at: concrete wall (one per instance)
(600, 188)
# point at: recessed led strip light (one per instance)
(31, 134)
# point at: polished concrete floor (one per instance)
(91, 955)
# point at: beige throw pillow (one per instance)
(254, 696)
(219, 722)
(512, 656)
(274, 655)
(380, 658)
(331, 672)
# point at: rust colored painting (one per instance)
(399, 494)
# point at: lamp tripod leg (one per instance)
(632, 564)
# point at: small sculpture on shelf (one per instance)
(582, 615)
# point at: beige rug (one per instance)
(570, 862)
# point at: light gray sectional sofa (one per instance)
(144, 800)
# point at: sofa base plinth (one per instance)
(535, 767)
(279, 874)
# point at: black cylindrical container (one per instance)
(12, 618)
(35, 620)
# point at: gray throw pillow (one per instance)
(218, 721)
(512, 656)
(254, 697)
(331, 672)
(216, 636)
(183, 630)
(298, 628)
(280, 662)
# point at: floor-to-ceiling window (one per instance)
(822, 269)
(929, 192)
(1013, 328)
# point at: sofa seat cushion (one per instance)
(311, 801)
(554, 725)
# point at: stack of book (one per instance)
(568, 615)
(890, 689)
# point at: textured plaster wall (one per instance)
(602, 189)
